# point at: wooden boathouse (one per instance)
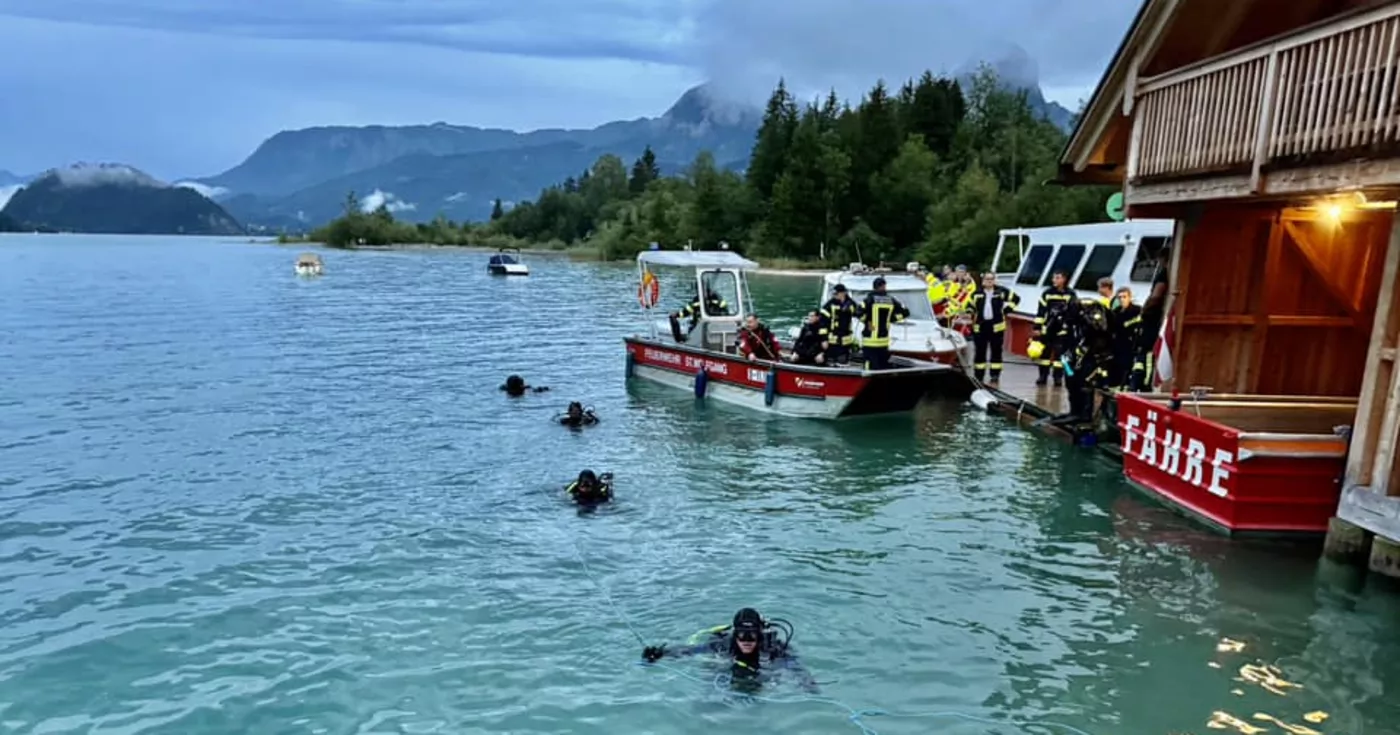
(1269, 130)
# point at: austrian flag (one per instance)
(1162, 351)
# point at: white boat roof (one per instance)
(696, 259)
(865, 281)
(1097, 229)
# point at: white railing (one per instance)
(1326, 89)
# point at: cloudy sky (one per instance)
(187, 88)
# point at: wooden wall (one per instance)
(1278, 301)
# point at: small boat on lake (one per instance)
(308, 264)
(919, 336)
(506, 262)
(707, 363)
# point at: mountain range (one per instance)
(298, 179)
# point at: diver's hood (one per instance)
(749, 620)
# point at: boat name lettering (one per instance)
(810, 384)
(1163, 452)
(709, 366)
(758, 376)
(659, 356)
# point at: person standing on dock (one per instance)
(879, 312)
(1052, 328)
(839, 314)
(990, 306)
(1127, 363)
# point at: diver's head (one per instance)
(575, 410)
(747, 629)
(587, 480)
(515, 385)
(751, 322)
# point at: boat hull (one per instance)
(1227, 477)
(780, 388)
(508, 270)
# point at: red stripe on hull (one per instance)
(793, 380)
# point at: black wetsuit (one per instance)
(771, 655)
(583, 495)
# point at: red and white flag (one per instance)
(1162, 351)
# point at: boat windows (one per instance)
(1102, 262)
(1033, 268)
(1151, 254)
(724, 285)
(501, 260)
(1067, 259)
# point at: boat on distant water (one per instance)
(919, 336)
(507, 262)
(309, 264)
(707, 361)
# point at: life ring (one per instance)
(649, 291)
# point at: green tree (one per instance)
(774, 138)
(497, 210)
(902, 193)
(644, 171)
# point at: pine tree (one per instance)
(771, 145)
(497, 210)
(644, 171)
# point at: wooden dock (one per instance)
(1028, 404)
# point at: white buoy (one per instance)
(984, 399)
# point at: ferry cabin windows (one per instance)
(1102, 262)
(724, 285)
(1067, 259)
(1033, 268)
(1151, 255)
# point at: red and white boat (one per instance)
(1275, 468)
(708, 364)
(919, 336)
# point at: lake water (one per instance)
(234, 501)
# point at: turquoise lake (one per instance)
(235, 501)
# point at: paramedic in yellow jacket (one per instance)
(937, 295)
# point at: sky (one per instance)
(186, 88)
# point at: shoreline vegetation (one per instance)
(929, 173)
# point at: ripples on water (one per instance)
(235, 501)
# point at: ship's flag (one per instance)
(1162, 351)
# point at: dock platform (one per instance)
(1028, 404)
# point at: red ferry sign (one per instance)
(1171, 450)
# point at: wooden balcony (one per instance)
(1309, 112)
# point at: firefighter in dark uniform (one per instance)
(714, 306)
(1089, 355)
(879, 312)
(839, 315)
(1053, 332)
(990, 307)
(1127, 333)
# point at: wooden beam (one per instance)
(1139, 193)
(1272, 258)
(1320, 322)
(1365, 429)
(1266, 122)
(1218, 320)
(1318, 262)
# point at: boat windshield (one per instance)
(724, 285)
(916, 301)
(502, 260)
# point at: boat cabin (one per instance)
(717, 280)
(1131, 253)
(1268, 132)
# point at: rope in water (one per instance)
(722, 680)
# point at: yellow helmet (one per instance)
(1034, 349)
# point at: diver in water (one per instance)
(750, 642)
(576, 415)
(590, 489)
(515, 387)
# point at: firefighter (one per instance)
(839, 314)
(990, 307)
(879, 312)
(714, 306)
(1052, 327)
(1089, 357)
(1127, 358)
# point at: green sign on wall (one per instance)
(1115, 207)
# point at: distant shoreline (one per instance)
(581, 254)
